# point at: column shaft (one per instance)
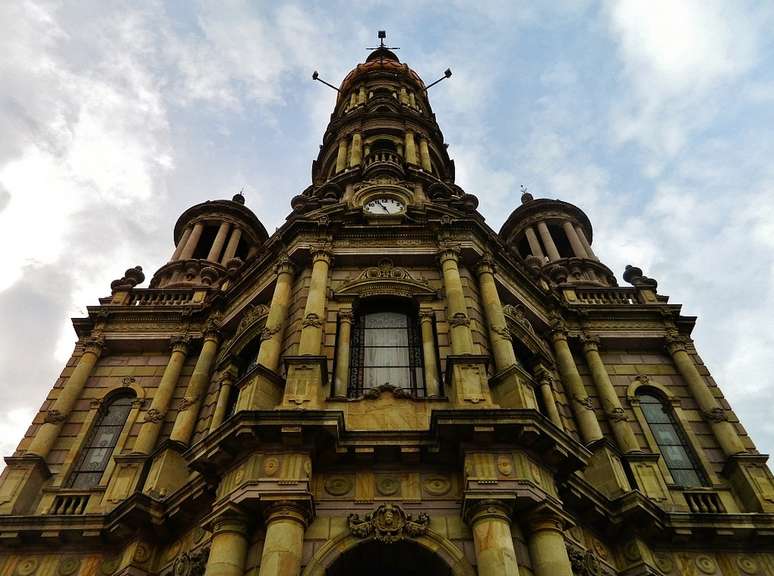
(547, 548)
(233, 244)
(502, 347)
(341, 156)
(311, 333)
(549, 400)
(361, 95)
(534, 243)
(217, 244)
(430, 360)
(611, 405)
(60, 409)
(181, 244)
(193, 241)
(224, 394)
(154, 418)
(284, 542)
(194, 394)
(493, 542)
(581, 403)
(548, 241)
(228, 551)
(461, 338)
(424, 154)
(356, 153)
(585, 242)
(341, 377)
(271, 339)
(724, 431)
(410, 149)
(572, 236)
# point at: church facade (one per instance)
(385, 385)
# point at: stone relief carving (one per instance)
(191, 563)
(154, 415)
(312, 319)
(387, 524)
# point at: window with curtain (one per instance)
(671, 440)
(100, 443)
(386, 349)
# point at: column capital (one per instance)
(287, 510)
(284, 266)
(426, 315)
(545, 520)
(675, 342)
(544, 376)
(558, 334)
(448, 251)
(322, 253)
(590, 342)
(94, 344)
(211, 330)
(179, 343)
(346, 315)
(486, 265)
(231, 520)
(488, 509)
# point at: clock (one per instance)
(385, 206)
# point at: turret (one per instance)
(556, 236)
(212, 240)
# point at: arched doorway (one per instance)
(403, 558)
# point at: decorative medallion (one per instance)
(142, 553)
(664, 562)
(271, 465)
(706, 564)
(68, 566)
(387, 485)
(505, 465)
(338, 485)
(747, 564)
(387, 524)
(631, 551)
(26, 567)
(436, 485)
(110, 565)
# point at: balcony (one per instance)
(71, 504)
(383, 161)
(704, 502)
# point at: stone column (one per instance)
(534, 244)
(580, 400)
(547, 548)
(548, 242)
(410, 149)
(572, 236)
(429, 354)
(154, 417)
(585, 242)
(461, 338)
(424, 154)
(546, 380)
(274, 332)
(217, 244)
(233, 244)
(361, 95)
(724, 431)
(356, 152)
(228, 551)
(492, 539)
(341, 155)
(611, 405)
(61, 407)
(283, 546)
(193, 241)
(311, 333)
(226, 384)
(403, 95)
(341, 377)
(181, 244)
(197, 388)
(499, 336)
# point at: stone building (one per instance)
(385, 385)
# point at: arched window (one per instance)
(386, 348)
(671, 440)
(100, 443)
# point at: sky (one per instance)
(653, 117)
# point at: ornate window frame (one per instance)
(669, 398)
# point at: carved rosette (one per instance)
(388, 524)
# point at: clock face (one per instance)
(385, 206)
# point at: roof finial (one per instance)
(382, 34)
(525, 196)
(239, 198)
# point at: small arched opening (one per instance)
(378, 559)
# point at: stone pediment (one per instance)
(386, 280)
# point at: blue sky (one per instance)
(653, 117)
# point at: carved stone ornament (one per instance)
(617, 414)
(374, 393)
(385, 279)
(26, 567)
(267, 333)
(252, 314)
(191, 563)
(186, 403)
(634, 276)
(502, 332)
(154, 416)
(132, 277)
(388, 524)
(584, 562)
(715, 415)
(54, 417)
(128, 380)
(312, 319)
(585, 402)
(459, 319)
(68, 566)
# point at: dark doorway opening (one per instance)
(397, 559)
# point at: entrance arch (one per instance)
(428, 555)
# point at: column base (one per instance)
(466, 380)
(511, 390)
(21, 483)
(606, 472)
(263, 391)
(304, 386)
(752, 480)
(168, 472)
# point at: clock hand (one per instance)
(383, 206)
